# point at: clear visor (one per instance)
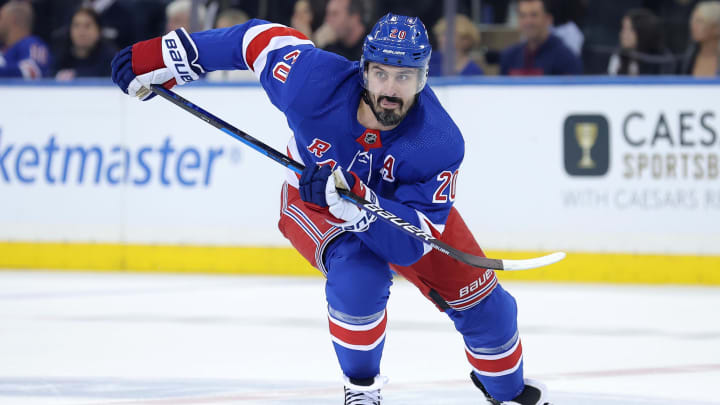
(388, 79)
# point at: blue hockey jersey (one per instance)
(28, 58)
(412, 168)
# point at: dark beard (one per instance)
(384, 116)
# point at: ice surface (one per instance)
(122, 338)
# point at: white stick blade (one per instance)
(510, 265)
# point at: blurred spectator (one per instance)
(121, 25)
(22, 54)
(302, 18)
(344, 30)
(703, 57)
(467, 37)
(568, 16)
(231, 17)
(85, 53)
(571, 36)
(642, 46)
(542, 53)
(178, 14)
(601, 25)
(117, 19)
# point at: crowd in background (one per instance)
(66, 39)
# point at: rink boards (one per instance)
(621, 175)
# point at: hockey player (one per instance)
(375, 128)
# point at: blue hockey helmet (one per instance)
(398, 40)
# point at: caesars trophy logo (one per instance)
(586, 135)
(586, 142)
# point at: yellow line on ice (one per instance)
(578, 266)
(153, 258)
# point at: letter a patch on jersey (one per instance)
(388, 168)
(318, 147)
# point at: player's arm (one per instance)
(425, 203)
(272, 51)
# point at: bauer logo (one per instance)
(586, 144)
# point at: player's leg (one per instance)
(492, 343)
(357, 290)
(495, 354)
(483, 312)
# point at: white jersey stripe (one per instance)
(358, 347)
(494, 356)
(500, 373)
(276, 43)
(352, 327)
(253, 32)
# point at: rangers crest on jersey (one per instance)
(318, 147)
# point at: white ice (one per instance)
(123, 338)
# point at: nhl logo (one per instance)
(370, 139)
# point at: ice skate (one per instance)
(535, 393)
(364, 392)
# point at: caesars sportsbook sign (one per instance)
(631, 168)
(674, 157)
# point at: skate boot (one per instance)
(533, 394)
(364, 391)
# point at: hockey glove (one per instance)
(167, 60)
(355, 219)
(312, 185)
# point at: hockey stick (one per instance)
(397, 222)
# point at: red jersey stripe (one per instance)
(358, 337)
(261, 41)
(497, 365)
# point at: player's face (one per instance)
(391, 90)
